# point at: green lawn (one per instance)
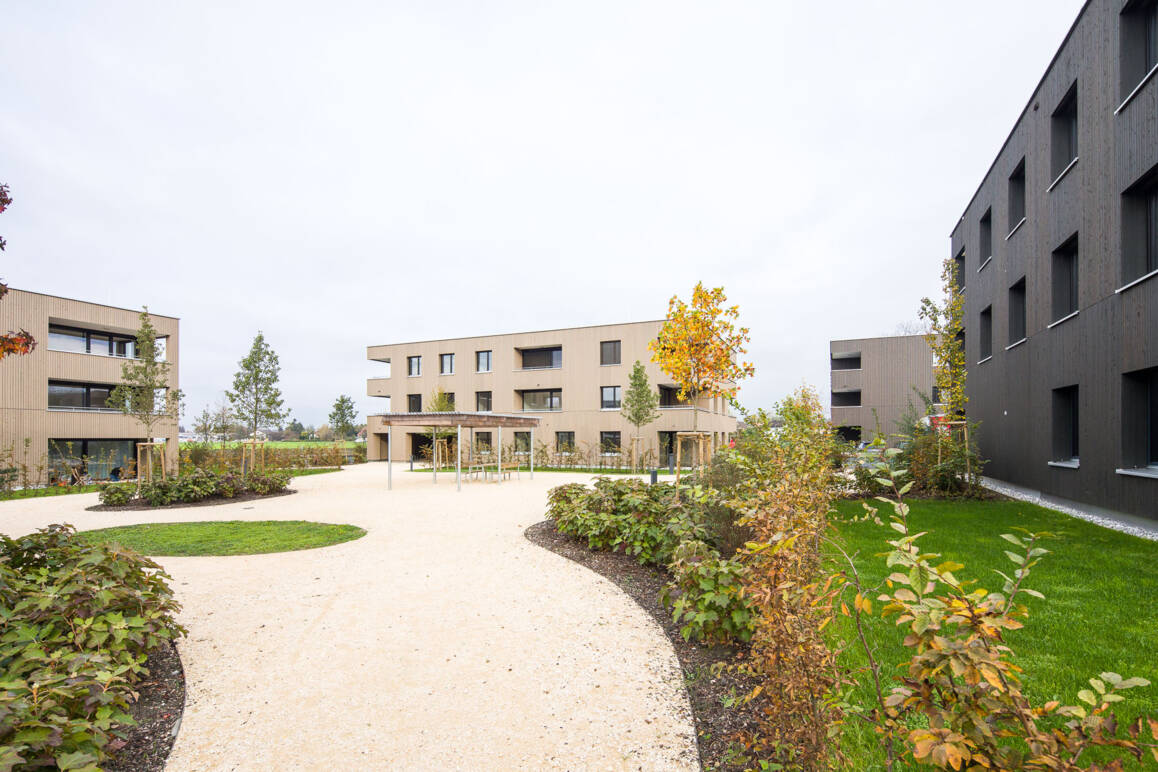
(52, 490)
(1100, 610)
(229, 537)
(312, 470)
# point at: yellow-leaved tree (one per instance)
(946, 338)
(701, 347)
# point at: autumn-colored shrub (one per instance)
(960, 702)
(706, 595)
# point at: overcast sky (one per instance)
(353, 173)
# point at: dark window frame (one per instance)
(86, 398)
(615, 352)
(479, 399)
(1063, 134)
(564, 442)
(414, 366)
(554, 400)
(478, 356)
(1017, 200)
(1018, 312)
(1066, 424)
(110, 342)
(1065, 278)
(1140, 228)
(845, 398)
(522, 443)
(443, 359)
(985, 238)
(609, 440)
(414, 403)
(1140, 419)
(1138, 45)
(616, 401)
(555, 357)
(985, 334)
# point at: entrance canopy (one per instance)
(458, 421)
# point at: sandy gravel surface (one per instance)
(441, 640)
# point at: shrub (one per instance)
(159, 492)
(194, 486)
(268, 483)
(78, 622)
(230, 485)
(645, 521)
(706, 595)
(117, 494)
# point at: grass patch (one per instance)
(227, 537)
(52, 490)
(311, 470)
(1100, 610)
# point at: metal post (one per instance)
(532, 453)
(390, 457)
(434, 453)
(458, 459)
(499, 468)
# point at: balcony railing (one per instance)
(71, 409)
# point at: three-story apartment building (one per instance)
(53, 413)
(1058, 259)
(875, 381)
(573, 380)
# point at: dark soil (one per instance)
(710, 692)
(210, 502)
(157, 711)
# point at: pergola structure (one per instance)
(456, 421)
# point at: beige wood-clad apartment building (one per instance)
(53, 415)
(874, 380)
(573, 380)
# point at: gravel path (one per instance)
(441, 640)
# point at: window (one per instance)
(414, 403)
(482, 361)
(107, 344)
(541, 358)
(522, 442)
(543, 399)
(850, 398)
(1139, 44)
(96, 458)
(849, 433)
(482, 440)
(850, 361)
(985, 228)
(609, 352)
(446, 364)
(959, 270)
(609, 442)
(482, 401)
(1065, 424)
(985, 338)
(936, 397)
(1064, 277)
(1140, 419)
(449, 399)
(609, 397)
(669, 396)
(1016, 197)
(1017, 311)
(1140, 228)
(414, 366)
(65, 395)
(1064, 133)
(564, 442)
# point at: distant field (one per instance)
(285, 444)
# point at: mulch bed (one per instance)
(210, 502)
(157, 711)
(717, 725)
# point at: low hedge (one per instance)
(194, 486)
(77, 621)
(670, 527)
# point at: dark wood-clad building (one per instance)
(1059, 256)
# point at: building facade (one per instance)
(876, 382)
(53, 416)
(573, 380)
(1058, 258)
